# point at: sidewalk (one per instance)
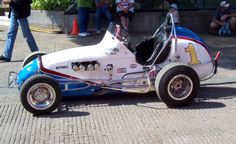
(124, 118)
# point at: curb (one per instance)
(44, 30)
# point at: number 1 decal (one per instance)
(191, 50)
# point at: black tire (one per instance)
(31, 57)
(177, 84)
(40, 94)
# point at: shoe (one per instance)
(87, 33)
(98, 32)
(126, 30)
(83, 34)
(4, 59)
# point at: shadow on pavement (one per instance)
(70, 106)
(61, 114)
(110, 100)
(17, 61)
(13, 61)
(201, 102)
(198, 105)
(217, 92)
(219, 83)
(63, 111)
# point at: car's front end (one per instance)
(30, 69)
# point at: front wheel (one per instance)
(40, 94)
(177, 84)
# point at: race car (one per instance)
(171, 62)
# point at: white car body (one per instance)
(112, 65)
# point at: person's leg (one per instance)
(214, 27)
(11, 37)
(98, 19)
(126, 21)
(108, 14)
(130, 16)
(122, 19)
(232, 22)
(27, 34)
(87, 12)
(81, 18)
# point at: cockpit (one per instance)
(147, 51)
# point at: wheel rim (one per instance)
(41, 96)
(180, 87)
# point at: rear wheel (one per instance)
(40, 94)
(31, 57)
(177, 84)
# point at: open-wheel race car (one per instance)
(172, 62)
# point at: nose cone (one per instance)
(29, 70)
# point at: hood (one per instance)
(74, 54)
(83, 53)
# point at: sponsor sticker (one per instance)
(121, 70)
(153, 74)
(62, 67)
(133, 66)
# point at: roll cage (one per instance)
(155, 49)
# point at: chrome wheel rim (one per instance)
(41, 96)
(180, 87)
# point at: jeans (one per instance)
(100, 12)
(83, 18)
(12, 32)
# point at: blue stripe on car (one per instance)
(180, 31)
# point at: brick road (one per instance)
(123, 118)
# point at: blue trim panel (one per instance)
(29, 70)
(180, 31)
(184, 32)
(89, 91)
(71, 87)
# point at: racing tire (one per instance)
(31, 57)
(177, 84)
(40, 94)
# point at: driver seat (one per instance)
(147, 51)
(144, 50)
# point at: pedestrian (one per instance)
(103, 9)
(19, 11)
(174, 11)
(125, 9)
(223, 17)
(84, 7)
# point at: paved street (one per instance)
(124, 118)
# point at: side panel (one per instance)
(196, 55)
(108, 60)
